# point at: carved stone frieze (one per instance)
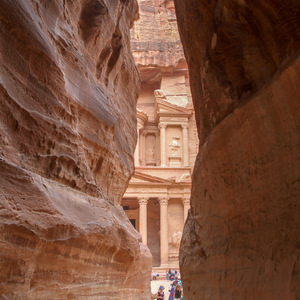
(172, 119)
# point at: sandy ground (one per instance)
(155, 284)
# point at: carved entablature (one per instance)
(177, 119)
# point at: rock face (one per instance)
(241, 240)
(67, 136)
(155, 41)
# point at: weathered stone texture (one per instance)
(67, 136)
(155, 41)
(241, 240)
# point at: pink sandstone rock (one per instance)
(241, 240)
(155, 41)
(69, 87)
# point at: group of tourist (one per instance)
(172, 275)
(176, 292)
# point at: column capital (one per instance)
(184, 126)
(162, 125)
(139, 126)
(163, 200)
(143, 200)
(185, 201)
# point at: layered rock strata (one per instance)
(241, 240)
(69, 87)
(155, 41)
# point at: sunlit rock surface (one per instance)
(241, 240)
(67, 136)
(155, 41)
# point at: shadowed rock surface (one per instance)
(69, 87)
(241, 240)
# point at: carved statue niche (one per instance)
(175, 146)
(176, 238)
(150, 150)
(151, 153)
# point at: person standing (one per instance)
(172, 291)
(167, 275)
(160, 293)
(178, 292)
(154, 275)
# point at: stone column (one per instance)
(137, 153)
(164, 237)
(185, 145)
(186, 207)
(163, 152)
(137, 150)
(157, 149)
(143, 218)
(143, 146)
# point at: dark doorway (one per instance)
(132, 221)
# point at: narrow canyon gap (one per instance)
(68, 95)
(158, 195)
(242, 236)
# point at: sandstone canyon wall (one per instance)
(69, 87)
(241, 240)
(155, 41)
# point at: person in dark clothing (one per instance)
(160, 293)
(170, 274)
(178, 292)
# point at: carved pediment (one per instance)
(165, 108)
(142, 178)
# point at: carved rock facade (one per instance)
(69, 87)
(241, 240)
(157, 198)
